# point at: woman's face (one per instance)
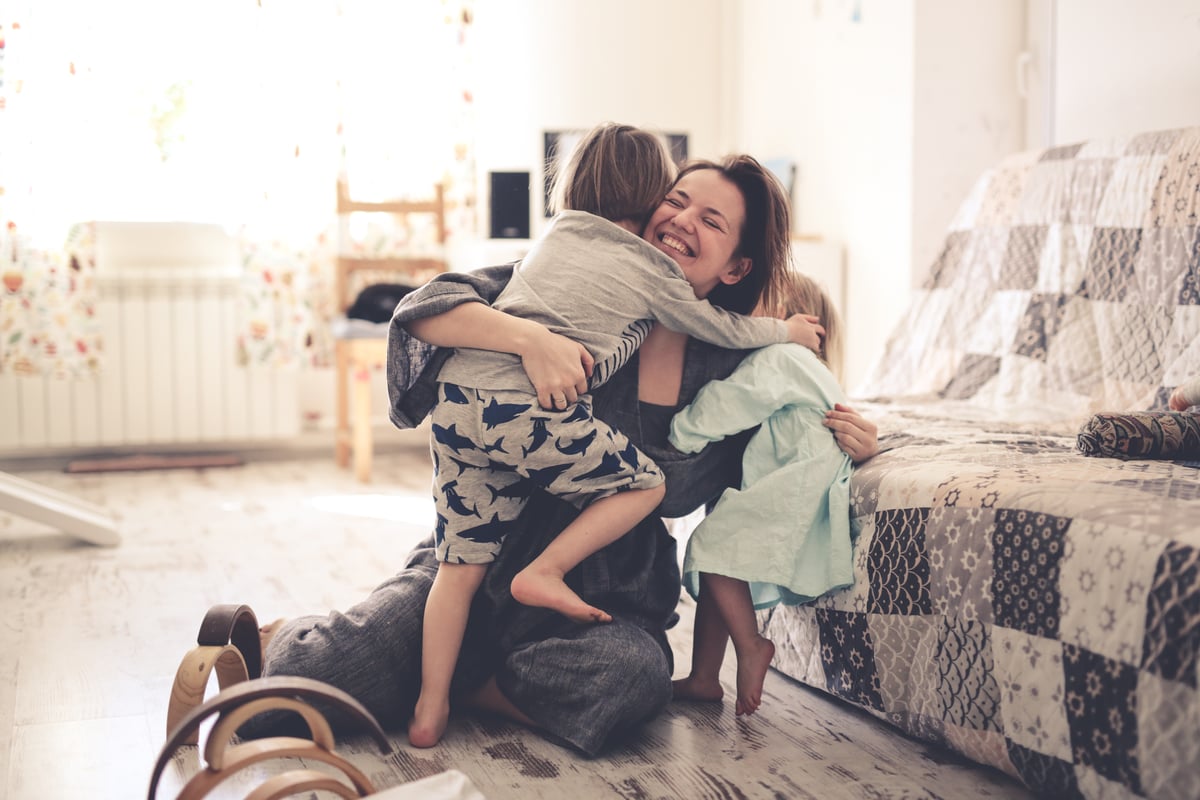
(699, 225)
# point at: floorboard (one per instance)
(91, 638)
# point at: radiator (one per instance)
(169, 375)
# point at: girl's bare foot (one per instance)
(694, 688)
(547, 590)
(429, 722)
(751, 673)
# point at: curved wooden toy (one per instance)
(233, 624)
(291, 689)
(191, 679)
(227, 725)
(227, 642)
(288, 784)
(243, 755)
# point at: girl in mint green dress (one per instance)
(784, 536)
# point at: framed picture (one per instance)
(558, 144)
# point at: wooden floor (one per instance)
(91, 637)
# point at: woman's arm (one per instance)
(856, 435)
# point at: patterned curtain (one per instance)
(48, 322)
(233, 112)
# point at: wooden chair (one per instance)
(359, 349)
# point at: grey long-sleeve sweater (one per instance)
(597, 283)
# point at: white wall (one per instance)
(836, 95)
(892, 108)
(563, 64)
(967, 113)
(1122, 67)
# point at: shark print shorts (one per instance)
(491, 449)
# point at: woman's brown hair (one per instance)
(616, 172)
(765, 237)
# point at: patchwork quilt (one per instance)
(1015, 599)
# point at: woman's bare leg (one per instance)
(597, 526)
(754, 651)
(445, 622)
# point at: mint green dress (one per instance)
(786, 531)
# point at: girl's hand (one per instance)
(856, 435)
(807, 330)
(1176, 402)
(557, 367)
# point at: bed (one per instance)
(1016, 600)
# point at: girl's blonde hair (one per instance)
(617, 172)
(800, 294)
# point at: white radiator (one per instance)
(169, 374)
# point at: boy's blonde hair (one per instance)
(800, 294)
(617, 172)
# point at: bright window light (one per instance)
(218, 111)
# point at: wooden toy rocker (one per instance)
(228, 642)
(248, 698)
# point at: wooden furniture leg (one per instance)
(362, 422)
(342, 429)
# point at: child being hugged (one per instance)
(784, 536)
(592, 279)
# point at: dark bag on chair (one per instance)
(377, 302)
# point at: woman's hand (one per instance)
(807, 330)
(855, 434)
(557, 367)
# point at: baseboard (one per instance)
(312, 443)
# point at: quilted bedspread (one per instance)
(1015, 600)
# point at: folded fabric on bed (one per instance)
(1141, 434)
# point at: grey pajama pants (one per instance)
(491, 449)
(581, 686)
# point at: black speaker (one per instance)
(509, 205)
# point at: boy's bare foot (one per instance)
(751, 673)
(547, 590)
(429, 722)
(267, 632)
(693, 688)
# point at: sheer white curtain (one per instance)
(236, 112)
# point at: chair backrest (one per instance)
(409, 268)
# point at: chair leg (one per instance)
(342, 430)
(362, 423)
